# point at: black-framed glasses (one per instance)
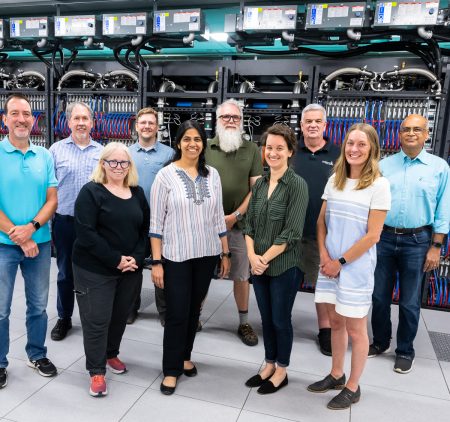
(416, 130)
(228, 117)
(114, 163)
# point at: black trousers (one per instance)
(63, 234)
(186, 285)
(104, 303)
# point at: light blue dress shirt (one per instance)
(73, 168)
(420, 190)
(149, 162)
(24, 181)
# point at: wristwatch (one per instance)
(35, 224)
(156, 261)
(436, 244)
(342, 260)
(238, 216)
(225, 254)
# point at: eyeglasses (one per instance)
(416, 130)
(114, 163)
(228, 117)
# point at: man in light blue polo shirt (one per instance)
(75, 158)
(28, 199)
(411, 239)
(150, 156)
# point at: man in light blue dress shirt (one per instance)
(75, 158)
(150, 156)
(411, 239)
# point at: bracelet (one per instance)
(156, 262)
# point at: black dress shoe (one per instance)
(256, 381)
(60, 330)
(190, 372)
(168, 391)
(269, 388)
(328, 383)
(132, 317)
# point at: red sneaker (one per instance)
(116, 366)
(98, 386)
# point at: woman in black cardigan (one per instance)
(111, 223)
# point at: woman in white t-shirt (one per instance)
(356, 200)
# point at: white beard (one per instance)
(229, 139)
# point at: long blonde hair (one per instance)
(370, 171)
(99, 174)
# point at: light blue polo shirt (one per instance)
(149, 162)
(24, 180)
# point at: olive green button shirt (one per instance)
(235, 169)
(279, 219)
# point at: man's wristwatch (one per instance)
(436, 244)
(35, 224)
(342, 260)
(238, 215)
(225, 255)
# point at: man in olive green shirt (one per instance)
(239, 165)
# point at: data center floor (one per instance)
(218, 392)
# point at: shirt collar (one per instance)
(154, 147)
(423, 157)
(9, 147)
(325, 148)
(287, 176)
(70, 140)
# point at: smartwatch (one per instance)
(238, 215)
(35, 224)
(342, 260)
(436, 244)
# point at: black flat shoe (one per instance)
(344, 399)
(328, 383)
(256, 381)
(269, 388)
(168, 391)
(190, 372)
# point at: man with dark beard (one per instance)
(239, 165)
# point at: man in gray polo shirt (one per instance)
(150, 156)
(239, 165)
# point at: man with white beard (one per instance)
(75, 158)
(239, 165)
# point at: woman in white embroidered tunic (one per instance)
(356, 200)
(188, 234)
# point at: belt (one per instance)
(64, 216)
(398, 230)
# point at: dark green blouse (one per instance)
(279, 219)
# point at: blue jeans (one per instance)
(275, 297)
(63, 233)
(36, 275)
(406, 254)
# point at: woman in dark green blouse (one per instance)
(275, 219)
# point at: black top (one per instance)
(108, 227)
(315, 168)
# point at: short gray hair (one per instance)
(71, 106)
(314, 107)
(231, 101)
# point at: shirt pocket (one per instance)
(426, 187)
(277, 211)
(156, 165)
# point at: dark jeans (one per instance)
(405, 254)
(104, 302)
(275, 297)
(63, 234)
(186, 285)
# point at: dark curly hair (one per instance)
(185, 126)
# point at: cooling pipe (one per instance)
(288, 37)
(246, 87)
(81, 73)
(424, 33)
(353, 35)
(88, 42)
(41, 43)
(415, 71)
(121, 72)
(189, 38)
(345, 71)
